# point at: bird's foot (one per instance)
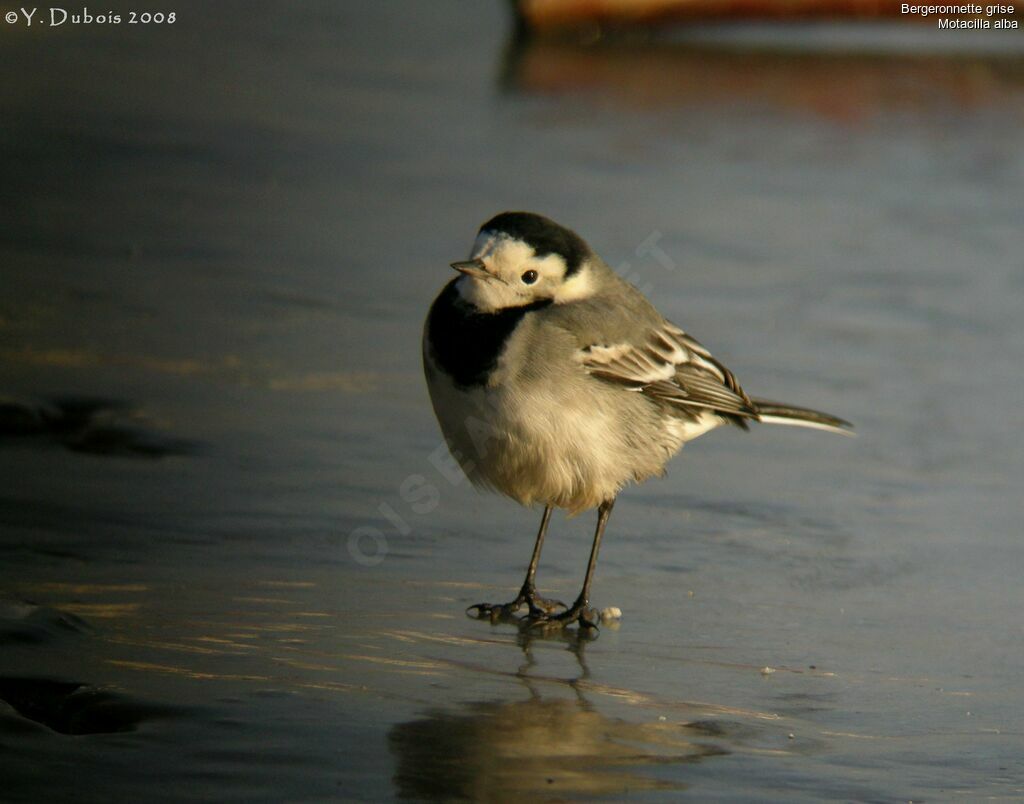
(580, 613)
(537, 607)
(543, 606)
(495, 612)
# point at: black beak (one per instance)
(472, 268)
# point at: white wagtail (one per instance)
(557, 382)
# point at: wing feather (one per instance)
(674, 369)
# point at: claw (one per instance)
(495, 612)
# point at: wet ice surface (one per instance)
(219, 243)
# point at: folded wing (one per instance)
(673, 368)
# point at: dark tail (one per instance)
(776, 413)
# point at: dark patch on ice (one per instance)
(69, 707)
(26, 623)
(91, 425)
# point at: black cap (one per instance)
(543, 235)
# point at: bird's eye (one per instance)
(529, 277)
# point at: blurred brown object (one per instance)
(845, 87)
(552, 15)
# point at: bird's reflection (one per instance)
(551, 744)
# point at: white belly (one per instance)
(573, 447)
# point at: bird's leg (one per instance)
(538, 606)
(580, 611)
(528, 592)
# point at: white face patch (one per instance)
(486, 295)
(483, 246)
(507, 261)
(578, 286)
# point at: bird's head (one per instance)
(520, 258)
